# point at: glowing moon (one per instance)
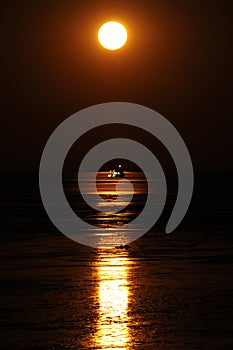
(112, 35)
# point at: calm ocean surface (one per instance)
(164, 292)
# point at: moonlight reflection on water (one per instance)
(113, 293)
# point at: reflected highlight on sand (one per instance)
(113, 293)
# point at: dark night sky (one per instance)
(177, 61)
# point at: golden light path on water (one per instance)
(113, 294)
(117, 207)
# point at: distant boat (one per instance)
(116, 173)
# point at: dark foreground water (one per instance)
(165, 292)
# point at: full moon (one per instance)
(112, 35)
